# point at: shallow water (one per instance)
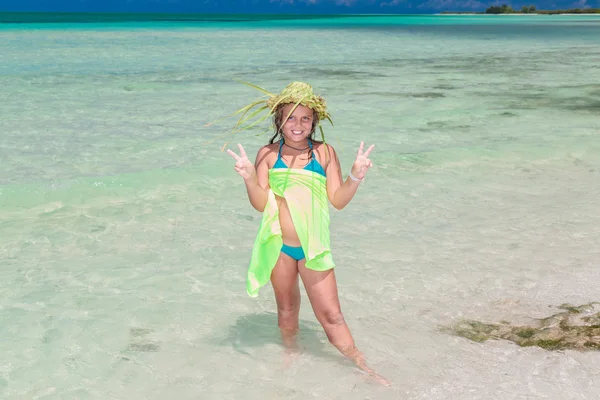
(126, 233)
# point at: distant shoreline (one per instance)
(589, 11)
(42, 17)
(514, 14)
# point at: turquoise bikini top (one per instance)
(313, 164)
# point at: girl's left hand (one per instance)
(362, 162)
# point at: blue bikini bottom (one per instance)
(295, 252)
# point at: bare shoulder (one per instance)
(267, 154)
(325, 152)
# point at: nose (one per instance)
(297, 123)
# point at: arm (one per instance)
(258, 185)
(340, 192)
(256, 178)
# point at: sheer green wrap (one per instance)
(306, 195)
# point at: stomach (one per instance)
(288, 231)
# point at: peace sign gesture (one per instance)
(243, 165)
(362, 162)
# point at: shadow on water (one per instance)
(257, 330)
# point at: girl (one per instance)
(292, 181)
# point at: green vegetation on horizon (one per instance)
(506, 9)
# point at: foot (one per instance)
(289, 356)
(359, 359)
(375, 377)
(290, 344)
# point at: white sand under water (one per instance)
(126, 237)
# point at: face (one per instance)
(298, 125)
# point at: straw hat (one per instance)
(294, 93)
(300, 93)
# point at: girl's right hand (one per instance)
(243, 165)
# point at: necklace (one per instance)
(295, 148)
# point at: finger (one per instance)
(242, 151)
(369, 150)
(232, 154)
(360, 148)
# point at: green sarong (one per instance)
(306, 194)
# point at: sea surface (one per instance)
(126, 233)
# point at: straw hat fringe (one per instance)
(297, 93)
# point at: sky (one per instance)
(283, 6)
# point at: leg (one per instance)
(321, 288)
(284, 279)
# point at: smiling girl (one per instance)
(291, 182)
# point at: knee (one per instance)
(288, 309)
(332, 317)
(288, 314)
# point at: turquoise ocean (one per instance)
(126, 234)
